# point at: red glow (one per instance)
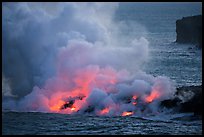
(104, 111)
(134, 103)
(127, 113)
(81, 83)
(73, 108)
(134, 97)
(70, 89)
(154, 95)
(57, 106)
(84, 79)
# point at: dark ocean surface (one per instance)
(36, 123)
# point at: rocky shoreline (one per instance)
(187, 99)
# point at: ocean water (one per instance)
(180, 62)
(157, 23)
(35, 123)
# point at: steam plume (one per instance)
(75, 54)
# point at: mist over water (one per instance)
(180, 62)
(33, 36)
(68, 53)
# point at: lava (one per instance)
(82, 96)
(104, 111)
(134, 97)
(57, 106)
(127, 113)
(154, 95)
(67, 104)
(73, 108)
(134, 103)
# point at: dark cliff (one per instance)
(189, 30)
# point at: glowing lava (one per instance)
(57, 106)
(134, 97)
(104, 111)
(75, 96)
(154, 95)
(73, 108)
(127, 113)
(134, 103)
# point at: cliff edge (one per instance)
(189, 30)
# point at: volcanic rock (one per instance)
(187, 99)
(195, 103)
(68, 104)
(89, 109)
(189, 30)
(170, 103)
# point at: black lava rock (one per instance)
(191, 104)
(189, 30)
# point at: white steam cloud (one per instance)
(55, 50)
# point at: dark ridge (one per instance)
(189, 30)
(193, 102)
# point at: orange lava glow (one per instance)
(104, 111)
(127, 113)
(134, 97)
(84, 80)
(57, 106)
(134, 103)
(73, 108)
(154, 95)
